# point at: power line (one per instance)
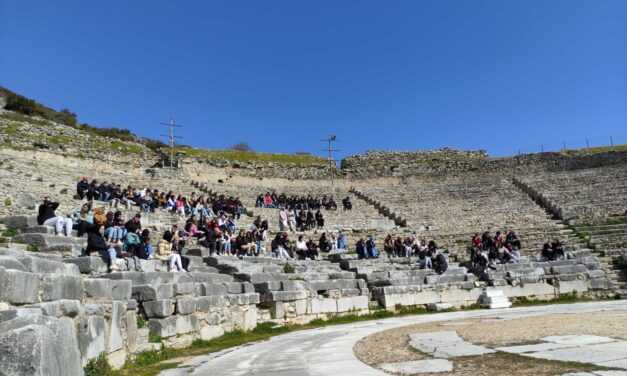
(330, 150)
(171, 138)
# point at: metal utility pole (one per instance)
(332, 138)
(171, 138)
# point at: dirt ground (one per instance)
(392, 345)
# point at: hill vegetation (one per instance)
(26, 110)
(246, 156)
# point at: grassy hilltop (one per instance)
(27, 124)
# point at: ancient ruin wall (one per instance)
(453, 162)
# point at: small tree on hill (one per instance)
(241, 146)
(65, 116)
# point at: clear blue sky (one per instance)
(280, 75)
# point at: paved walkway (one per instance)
(329, 350)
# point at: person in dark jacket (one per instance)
(92, 192)
(97, 243)
(82, 187)
(323, 242)
(48, 217)
(440, 264)
(319, 219)
(360, 248)
(346, 203)
(134, 224)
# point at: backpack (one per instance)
(132, 243)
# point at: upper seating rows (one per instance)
(451, 210)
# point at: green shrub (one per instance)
(141, 322)
(151, 357)
(119, 133)
(7, 202)
(288, 269)
(98, 367)
(29, 107)
(65, 116)
(153, 338)
(32, 248)
(9, 233)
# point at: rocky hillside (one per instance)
(22, 132)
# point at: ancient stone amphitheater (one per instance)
(59, 310)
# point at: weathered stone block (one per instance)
(210, 332)
(184, 288)
(185, 306)
(163, 327)
(114, 327)
(97, 288)
(293, 285)
(39, 346)
(18, 287)
(156, 292)
(352, 303)
(323, 306)
(286, 295)
(60, 308)
(205, 303)
(91, 337)
(88, 264)
(55, 287)
(9, 262)
(45, 266)
(158, 308)
(121, 289)
(186, 324)
(210, 289)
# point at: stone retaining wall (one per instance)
(453, 162)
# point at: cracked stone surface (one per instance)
(445, 345)
(601, 351)
(418, 366)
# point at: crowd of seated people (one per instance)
(149, 199)
(366, 248)
(309, 202)
(300, 219)
(429, 256)
(487, 250)
(118, 240)
(222, 237)
(552, 251)
(307, 248)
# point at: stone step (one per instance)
(52, 243)
(44, 230)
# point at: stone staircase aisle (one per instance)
(613, 262)
(601, 239)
